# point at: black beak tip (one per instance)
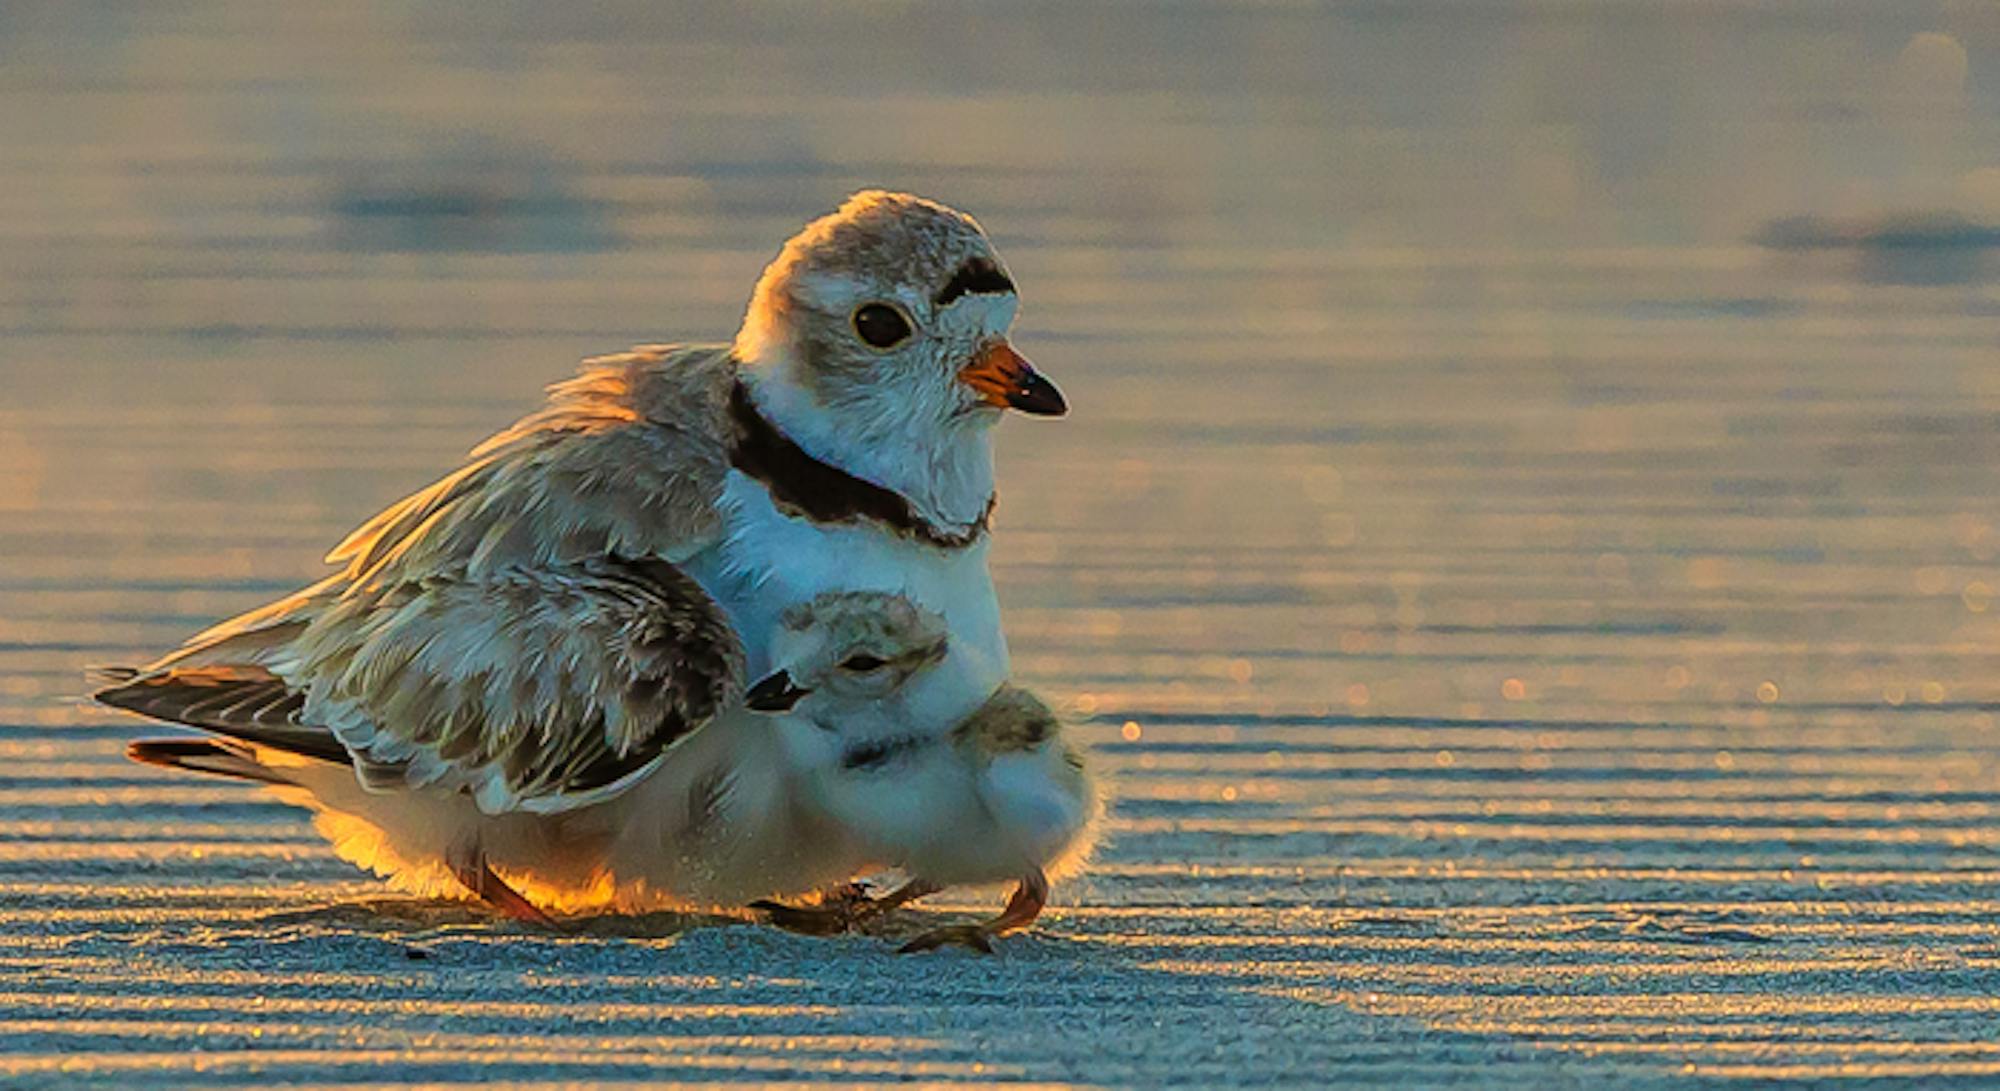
(1039, 397)
(774, 694)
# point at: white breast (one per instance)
(769, 561)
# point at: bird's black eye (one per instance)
(862, 664)
(880, 325)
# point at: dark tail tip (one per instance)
(201, 756)
(171, 753)
(103, 680)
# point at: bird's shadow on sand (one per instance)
(410, 918)
(1119, 998)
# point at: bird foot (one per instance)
(845, 908)
(1023, 906)
(810, 920)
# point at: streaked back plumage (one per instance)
(518, 628)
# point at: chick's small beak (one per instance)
(775, 693)
(1005, 379)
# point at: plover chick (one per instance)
(1001, 794)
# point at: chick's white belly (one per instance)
(723, 821)
(1042, 815)
(912, 815)
(954, 821)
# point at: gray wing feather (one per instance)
(536, 690)
(627, 459)
(518, 629)
(539, 691)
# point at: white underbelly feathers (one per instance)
(769, 561)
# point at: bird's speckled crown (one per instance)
(859, 615)
(874, 233)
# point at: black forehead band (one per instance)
(977, 275)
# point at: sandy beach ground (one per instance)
(1539, 634)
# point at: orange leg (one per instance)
(471, 869)
(1022, 908)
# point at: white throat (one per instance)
(944, 470)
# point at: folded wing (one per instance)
(519, 630)
(537, 690)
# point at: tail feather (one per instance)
(246, 703)
(104, 677)
(204, 756)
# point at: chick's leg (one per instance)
(1022, 908)
(844, 909)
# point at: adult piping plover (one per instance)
(999, 795)
(537, 629)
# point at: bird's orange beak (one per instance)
(1006, 380)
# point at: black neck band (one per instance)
(803, 485)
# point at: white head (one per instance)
(877, 339)
(846, 649)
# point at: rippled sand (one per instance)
(1537, 636)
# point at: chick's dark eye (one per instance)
(880, 324)
(861, 664)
